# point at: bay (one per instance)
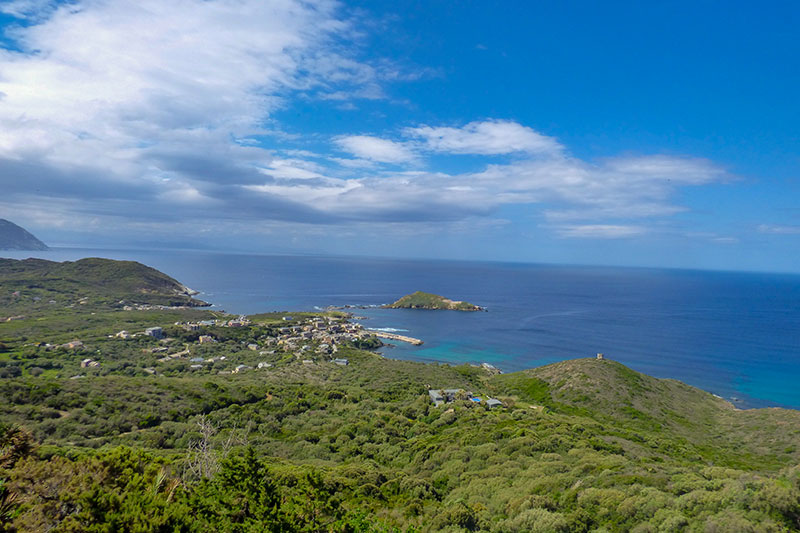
(734, 334)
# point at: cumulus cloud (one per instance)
(485, 138)
(354, 162)
(147, 90)
(148, 110)
(28, 8)
(574, 190)
(624, 187)
(376, 149)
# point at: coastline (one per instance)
(745, 349)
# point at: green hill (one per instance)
(426, 300)
(13, 237)
(610, 392)
(178, 434)
(100, 280)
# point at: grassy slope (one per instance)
(370, 427)
(613, 393)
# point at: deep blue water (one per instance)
(734, 334)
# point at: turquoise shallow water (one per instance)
(734, 334)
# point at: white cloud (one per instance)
(581, 198)
(376, 149)
(574, 190)
(486, 138)
(183, 193)
(779, 230)
(600, 231)
(132, 88)
(353, 163)
(305, 193)
(726, 240)
(293, 169)
(680, 170)
(28, 8)
(713, 237)
(114, 109)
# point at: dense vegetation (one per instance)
(146, 444)
(426, 300)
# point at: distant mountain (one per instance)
(13, 237)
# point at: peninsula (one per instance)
(13, 237)
(426, 300)
(116, 284)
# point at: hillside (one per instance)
(613, 393)
(13, 237)
(609, 388)
(259, 424)
(426, 300)
(102, 280)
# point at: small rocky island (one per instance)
(426, 300)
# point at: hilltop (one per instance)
(13, 237)
(103, 280)
(426, 300)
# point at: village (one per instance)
(209, 344)
(206, 346)
(239, 344)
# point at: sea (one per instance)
(735, 334)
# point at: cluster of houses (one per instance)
(317, 335)
(239, 322)
(156, 332)
(150, 307)
(443, 396)
(72, 345)
(327, 332)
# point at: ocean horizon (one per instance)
(734, 334)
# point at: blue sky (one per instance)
(636, 133)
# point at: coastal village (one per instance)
(206, 346)
(213, 342)
(205, 343)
